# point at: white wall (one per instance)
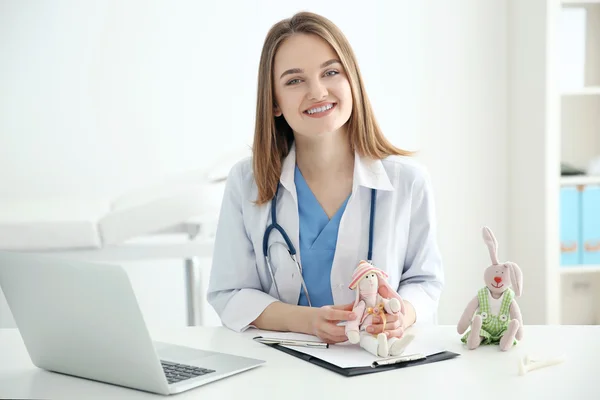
(100, 97)
(533, 143)
(462, 123)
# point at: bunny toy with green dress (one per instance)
(494, 315)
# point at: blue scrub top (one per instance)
(318, 238)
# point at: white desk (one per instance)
(485, 373)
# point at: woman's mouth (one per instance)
(320, 111)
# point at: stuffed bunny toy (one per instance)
(497, 317)
(369, 283)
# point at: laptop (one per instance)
(83, 319)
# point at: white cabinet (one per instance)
(554, 120)
(580, 148)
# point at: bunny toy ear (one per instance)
(492, 244)
(516, 277)
(357, 298)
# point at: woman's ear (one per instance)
(277, 111)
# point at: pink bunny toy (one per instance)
(368, 282)
(498, 317)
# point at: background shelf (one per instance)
(579, 3)
(579, 269)
(579, 180)
(585, 91)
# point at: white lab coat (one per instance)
(404, 242)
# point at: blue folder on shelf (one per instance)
(590, 229)
(570, 226)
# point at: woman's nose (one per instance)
(317, 91)
(498, 279)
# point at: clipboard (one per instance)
(404, 361)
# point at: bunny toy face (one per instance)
(500, 276)
(369, 283)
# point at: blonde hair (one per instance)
(273, 137)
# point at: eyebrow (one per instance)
(299, 70)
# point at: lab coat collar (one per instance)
(368, 172)
(287, 171)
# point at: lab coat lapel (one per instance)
(353, 237)
(287, 275)
(287, 173)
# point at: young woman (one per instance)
(323, 190)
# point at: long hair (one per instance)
(273, 137)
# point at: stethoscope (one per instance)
(292, 250)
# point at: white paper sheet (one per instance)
(348, 355)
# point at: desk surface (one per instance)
(485, 373)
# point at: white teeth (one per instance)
(320, 109)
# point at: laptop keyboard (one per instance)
(179, 372)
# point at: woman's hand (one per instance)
(394, 325)
(324, 322)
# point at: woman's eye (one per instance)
(293, 81)
(331, 73)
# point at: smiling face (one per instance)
(312, 90)
(497, 278)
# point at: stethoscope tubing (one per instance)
(292, 249)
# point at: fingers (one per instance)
(332, 339)
(325, 324)
(332, 333)
(389, 326)
(347, 307)
(389, 318)
(330, 330)
(395, 333)
(392, 322)
(333, 314)
(334, 330)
